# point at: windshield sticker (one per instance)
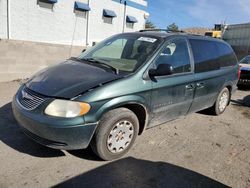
(147, 39)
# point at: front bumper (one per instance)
(244, 77)
(245, 82)
(57, 133)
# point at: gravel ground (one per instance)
(199, 150)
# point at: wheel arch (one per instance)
(141, 112)
(136, 104)
(230, 88)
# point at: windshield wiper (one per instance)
(92, 60)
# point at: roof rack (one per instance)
(164, 30)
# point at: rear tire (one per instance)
(116, 133)
(221, 102)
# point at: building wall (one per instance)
(30, 21)
(3, 19)
(41, 36)
(21, 59)
(139, 15)
(98, 30)
(38, 22)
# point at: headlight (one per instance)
(65, 108)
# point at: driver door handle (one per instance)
(189, 87)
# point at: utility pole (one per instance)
(8, 19)
(124, 15)
(87, 26)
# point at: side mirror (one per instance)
(161, 70)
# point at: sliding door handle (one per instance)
(200, 85)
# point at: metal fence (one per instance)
(238, 36)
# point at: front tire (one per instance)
(221, 102)
(116, 133)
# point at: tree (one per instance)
(173, 27)
(149, 25)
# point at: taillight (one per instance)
(239, 71)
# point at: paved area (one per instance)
(199, 150)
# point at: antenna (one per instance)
(73, 36)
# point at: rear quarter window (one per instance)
(205, 55)
(227, 55)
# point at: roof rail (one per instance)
(159, 30)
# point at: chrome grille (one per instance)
(30, 99)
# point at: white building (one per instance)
(67, 22)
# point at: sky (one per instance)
(198, 13)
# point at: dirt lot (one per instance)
(196, 151)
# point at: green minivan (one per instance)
(128, 83)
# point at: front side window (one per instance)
(176, 54)
(125, 52)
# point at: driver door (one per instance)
(172, 95)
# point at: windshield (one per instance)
(125, 52)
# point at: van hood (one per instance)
(69, 79)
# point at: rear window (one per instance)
(205, 55)
(210, 55)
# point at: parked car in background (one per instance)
(245, 72)
(128, 83)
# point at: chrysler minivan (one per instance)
(124, 85)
